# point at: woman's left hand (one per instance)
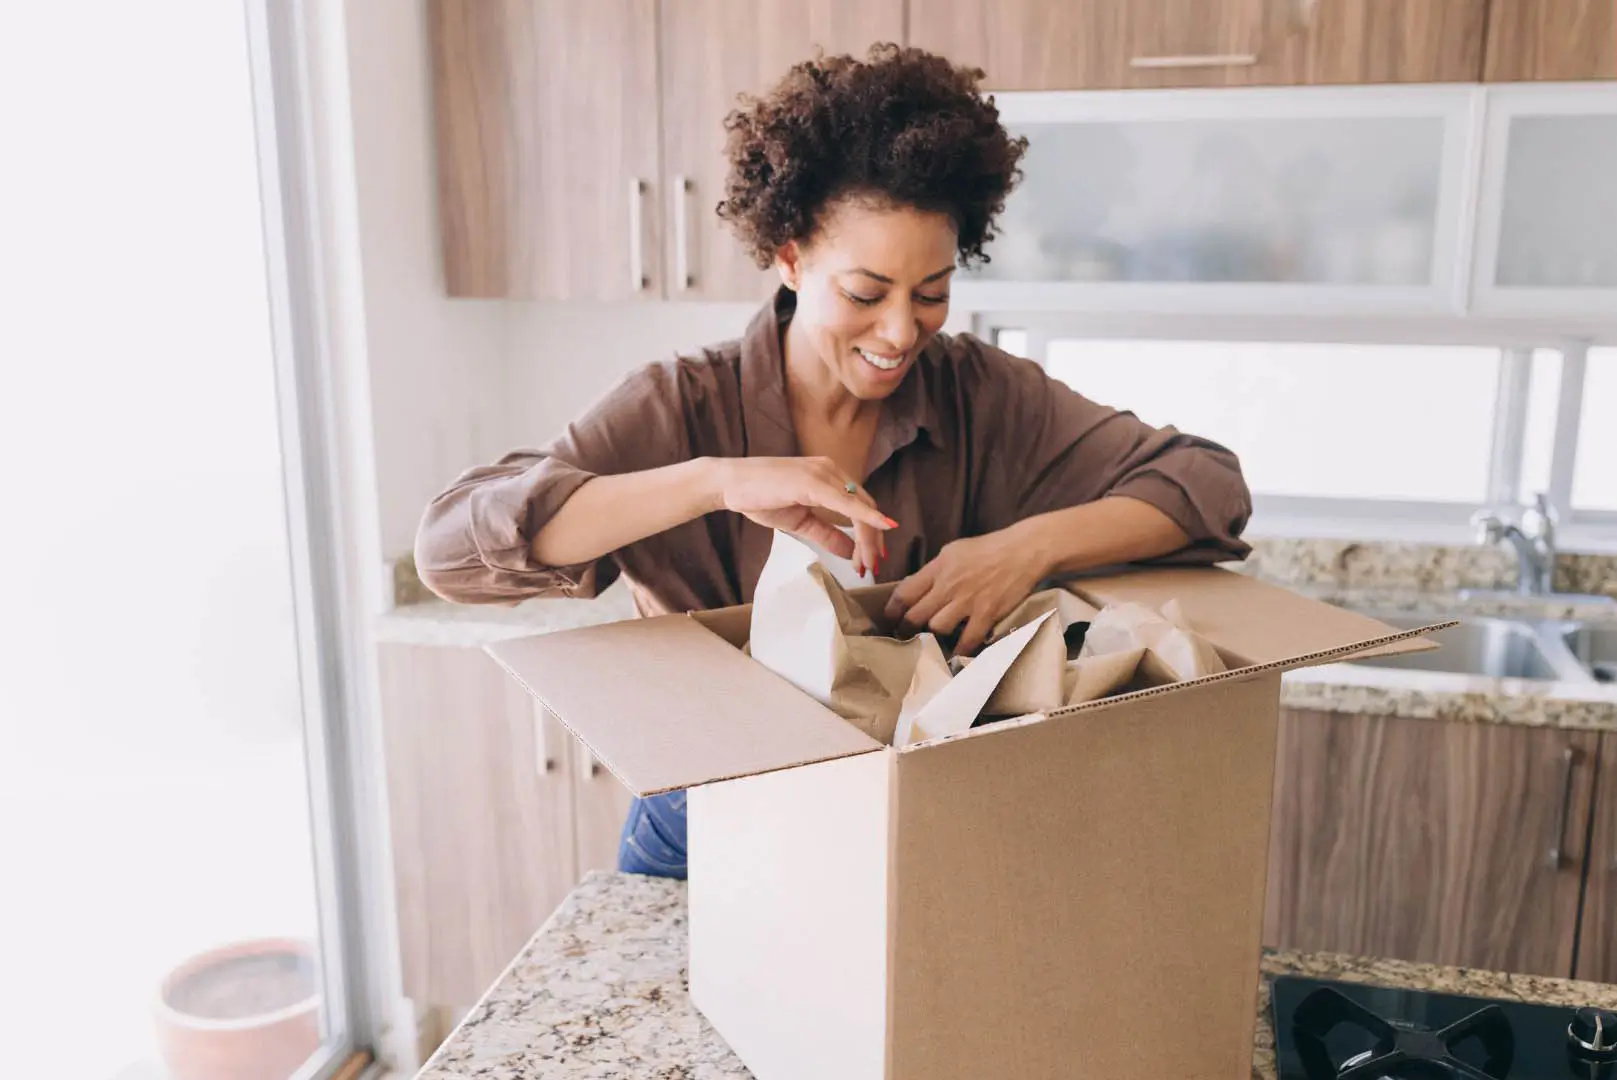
(975, 581)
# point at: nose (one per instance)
(899, 327)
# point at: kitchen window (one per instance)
(1343, 428)
(1342, 402)
(1594, 480)
(179, 823)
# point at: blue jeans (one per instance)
(653, 839)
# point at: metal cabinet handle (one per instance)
(1195, 60)
(1300, 14)
(588, 767)
(638, 281)
(543, 760)
(683, 279)
(1557, 857)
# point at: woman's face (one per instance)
(872, 288)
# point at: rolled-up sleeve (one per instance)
(1046, 447)
(474, 544)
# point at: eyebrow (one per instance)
(885, 280)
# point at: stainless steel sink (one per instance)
(1595, 648)
(1501, 648)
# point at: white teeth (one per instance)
(885, 363)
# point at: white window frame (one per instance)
(365, 1021)
(1444, 522)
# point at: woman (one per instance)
(843, 415)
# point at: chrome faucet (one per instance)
(1533, 540)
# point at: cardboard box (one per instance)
(1072, 894)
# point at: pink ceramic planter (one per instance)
(255, 1022)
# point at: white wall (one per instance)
(437, 366)
(561, 357)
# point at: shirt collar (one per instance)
(908, 412)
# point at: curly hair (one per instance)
(902, 128)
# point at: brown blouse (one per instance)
(971, 441)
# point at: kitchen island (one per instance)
(600, 992)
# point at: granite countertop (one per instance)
(600, 992)
(436, 622)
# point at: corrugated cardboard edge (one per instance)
(1371, 647)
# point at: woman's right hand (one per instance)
(784, 493)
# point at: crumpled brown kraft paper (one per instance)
(958, 702)
(1091, 678)
(808, 630)
(932, 674)
(1172, 651)
(1034, 682)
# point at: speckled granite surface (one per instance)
(1430, 695)
(600, 993)
(1421, 567)
(435, 622)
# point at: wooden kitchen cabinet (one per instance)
(713, 51)
(1429, 841)
(481, 811)
(1551, 40)
(600, 804)
(1597, 944)
(556, 180)
(547, 143)
(1134, 44)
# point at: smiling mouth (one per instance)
(880, 362)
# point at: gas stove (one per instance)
(1346, 1031)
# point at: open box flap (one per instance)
(1253, 621)
(666, 704)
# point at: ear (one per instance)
(789, 262)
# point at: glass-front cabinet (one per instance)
(1547, 219)
(1422, 200)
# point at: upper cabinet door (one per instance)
(1319, 199)
(546, 115)
(1546, 232)
(713, 51)
(1556, 40)
(1131, 44)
